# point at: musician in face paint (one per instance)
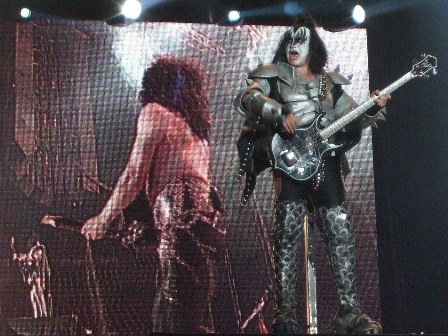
(297, 49)
(282, 96)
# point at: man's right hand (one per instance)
(290, 122)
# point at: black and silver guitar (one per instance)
(301, 155)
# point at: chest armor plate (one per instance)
(302, 99)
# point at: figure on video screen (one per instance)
(281, 99)
(35, 271)
(169, 160)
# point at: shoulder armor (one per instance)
(338, 78)
(283, 71)
(265, 71)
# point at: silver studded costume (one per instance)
(273, 91)
(187, 213)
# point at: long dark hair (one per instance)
(318, 52)
(179, 85)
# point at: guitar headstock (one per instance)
(425, 66)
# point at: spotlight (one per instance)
(358, 14)
(225, 16)
(291, 8)
(342, 15)
(131, 9)
(233, 16)
(25, 13)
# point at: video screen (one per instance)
(180, 253)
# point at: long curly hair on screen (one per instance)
(318, 51)
(178, 84)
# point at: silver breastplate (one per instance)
(302, 99)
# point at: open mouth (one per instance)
(293, 55)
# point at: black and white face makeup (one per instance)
(298, 47)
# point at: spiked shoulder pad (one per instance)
(265, 71)
(283, 71)
(338, 78)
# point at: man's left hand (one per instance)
(382, 100)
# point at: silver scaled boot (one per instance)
(338, 238)
(287, 238)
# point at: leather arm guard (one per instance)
(257, 103)
(371, 116)
(254, 101)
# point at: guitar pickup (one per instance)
(289, 158)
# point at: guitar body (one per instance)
(300, 156)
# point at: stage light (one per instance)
(358, 14)
(131, 9)
(25, 13)
(291, 8)
(233, 16)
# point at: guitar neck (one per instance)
(336, 125)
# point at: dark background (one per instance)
(410, 161)
(409, 149)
